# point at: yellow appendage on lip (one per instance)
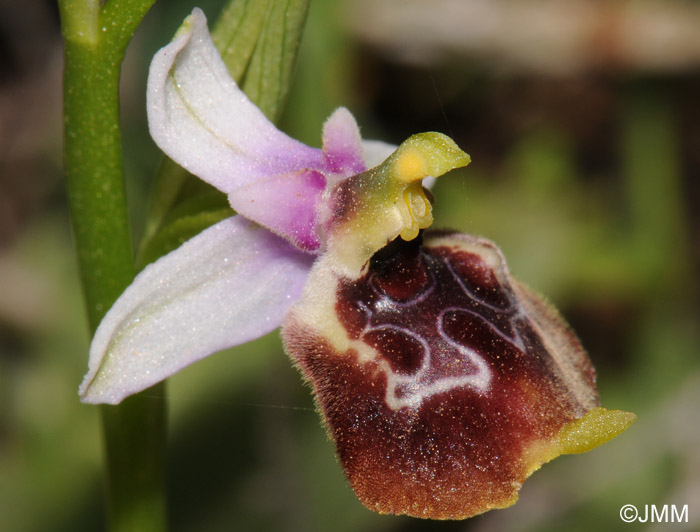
(373, 208)
(595, 428)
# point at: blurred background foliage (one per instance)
(583, 122)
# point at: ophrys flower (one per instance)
(443, 381)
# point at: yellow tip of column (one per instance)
(410, 166)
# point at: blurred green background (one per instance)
(583, 123)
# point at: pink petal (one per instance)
(287, 204)
(342, 145)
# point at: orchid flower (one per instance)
(443, 381)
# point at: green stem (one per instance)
(95, 41)
(135, 437)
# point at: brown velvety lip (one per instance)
(437, 423)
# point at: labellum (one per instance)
(444, 382)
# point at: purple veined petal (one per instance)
(230, 284)
(286, 204)
(201, 119)
(342, 144)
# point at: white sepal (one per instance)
(201, 119)
(228, 285)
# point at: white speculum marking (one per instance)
(466, 367)
(519, 314)
(410, 390)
